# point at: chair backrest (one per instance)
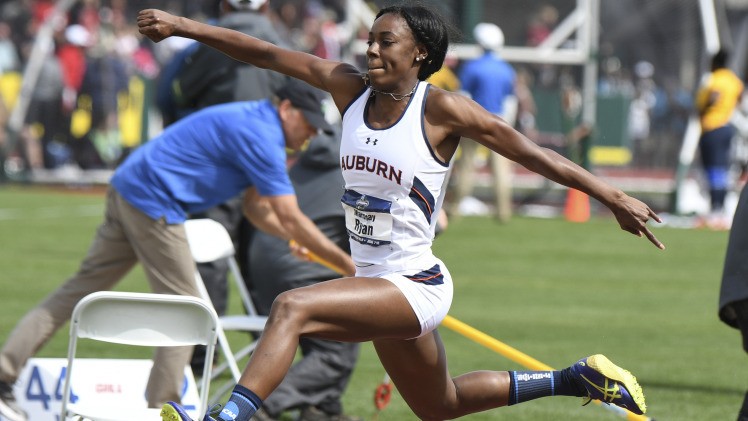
(209, 240)
(143, 319)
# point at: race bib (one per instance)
(367, 218)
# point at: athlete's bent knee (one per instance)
(288, 307)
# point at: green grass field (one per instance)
(555, 290)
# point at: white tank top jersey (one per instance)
(394, 188)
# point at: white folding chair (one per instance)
(209, 241)
(139, 319)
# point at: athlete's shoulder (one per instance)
(345, 83)
(443, 103)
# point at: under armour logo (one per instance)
(373, 142)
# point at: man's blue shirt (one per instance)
(489, 80)
(205, 159)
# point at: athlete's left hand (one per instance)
(632, 215)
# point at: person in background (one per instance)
(72, 54)
(10, 65)
(399, 136)
(207, 77)
(733, 295)
(10, 61)
(489, 80)
(316, 382)
(193, 165)
(44, 122)
(526, 107)
(105, 81)
(716, 100)
(541, 24)
(445, 78)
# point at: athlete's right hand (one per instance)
(157, 24)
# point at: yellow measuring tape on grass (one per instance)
(493, 344)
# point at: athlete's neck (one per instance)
(395, 96)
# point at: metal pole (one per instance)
(709, 23)
(41, 49)
(43, 46)
(589, 84)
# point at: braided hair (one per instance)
(429, 29)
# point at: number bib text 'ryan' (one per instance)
(367, 218)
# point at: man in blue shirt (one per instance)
(489, 80)
(316, 382)
(194, 164)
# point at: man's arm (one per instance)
(281, 216)
(257, 209)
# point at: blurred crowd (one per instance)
(658, 111)
(92, 100)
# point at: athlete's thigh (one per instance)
(353, 309)
(418, 368)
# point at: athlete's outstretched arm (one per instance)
(340, 79)
(463, 117)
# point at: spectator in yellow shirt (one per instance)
(716, 100)
(445, 77)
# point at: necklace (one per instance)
(396, 97)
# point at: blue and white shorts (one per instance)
(429, 293)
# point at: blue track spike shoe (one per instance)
(609, 383)
(172, 411)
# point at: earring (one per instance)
(418, 59)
